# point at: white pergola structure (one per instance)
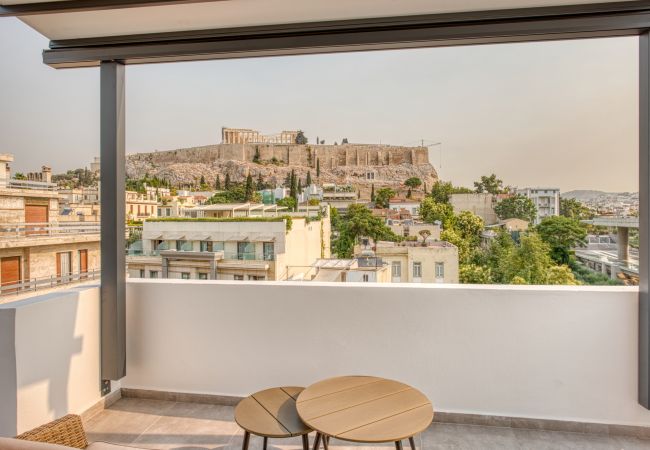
(113, 33)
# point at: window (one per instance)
(245, 250)
(366, 277)
(153, 274)
(440, 270)
(269, 251)
(203, 276)
(417, 270)
(257, 277)
(181, 246)
(396, 269)
(206, 246)
(217, 246)
(238, 277)
(141, 273)
(185, 275)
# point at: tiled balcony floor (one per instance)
(155, 424)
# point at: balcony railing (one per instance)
(38, 284)
(27, 184)
(40, 229)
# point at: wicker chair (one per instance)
(65, 433)
(68, 431)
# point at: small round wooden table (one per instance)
(364, 409)
(272, 413)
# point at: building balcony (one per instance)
(47, 233)
(531, 365)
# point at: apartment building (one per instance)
(34, 243)
(546, 200)
(413, 262)
(411, 229)
(412, 206)
(364, 269)
(79, 204)
(230, 248)
(141, 206)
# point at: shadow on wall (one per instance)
(56, 355)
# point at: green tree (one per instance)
(469, 226)
(301, 138)
(260, 182)
(490, 184)
(517, 206)
(372, 193)
(474, 274)
(344, 141)
(413, 182)
(530, 260)
(217, 183)
(409, 193)
(430, 212)
(317, 167)
(358, 222)
(441, 191)
(574, 209)
(560, 275)
(19, 176)
(227, 182)
(256, 157)
(308, 181)
(383, 196)
(293, 187)
(299, 186)
(289, 202)
(249, 189)
(562, 234)
(452, 236)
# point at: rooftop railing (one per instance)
(39, 284)
(47, 229)
(27, 184)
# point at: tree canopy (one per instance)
(574, 209)
(562, 234)
(490, 184)
(517, 206)
(358, 222)
(413, 182)
(383, 196)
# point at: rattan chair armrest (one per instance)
(68, 431)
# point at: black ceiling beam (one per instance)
(520, 25)
(30, 9)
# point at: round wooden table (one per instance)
(271, 413)
(364, 409)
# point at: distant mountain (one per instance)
(586, 196)
(583, 194)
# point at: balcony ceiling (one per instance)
(131, 18)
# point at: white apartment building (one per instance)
(412, 206)
(229, 248)
(547, 201)
(412, 262)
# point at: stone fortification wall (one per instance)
(330, 156)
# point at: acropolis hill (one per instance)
(360, 165)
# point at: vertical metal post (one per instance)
(644, 215)
(113, 288)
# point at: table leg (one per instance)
(412, 442)
(317, 441)
(266, 441)
(398, 445)
(305, 442)
(326, 441)
(247, 438)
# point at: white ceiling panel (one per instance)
(238, 13)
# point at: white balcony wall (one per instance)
(550, 353)
(49, 358)
(558, 353)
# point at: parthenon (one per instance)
(250, 136)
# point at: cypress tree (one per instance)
(249, 188)
(372, 193)
(217, 184)
(308, 181)
(260, 182)
(299, 186)
(227, 182)
(317, 167)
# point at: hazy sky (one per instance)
(560, 114)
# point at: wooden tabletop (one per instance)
(364, 409)
(271, 413)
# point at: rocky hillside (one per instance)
(187, 166)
